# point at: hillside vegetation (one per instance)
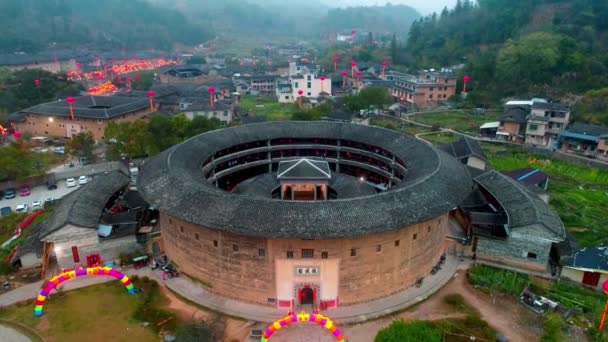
(32, 25)
(517, 48)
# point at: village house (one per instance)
(589, 267)
(91, 113)
(187, 76)
(467, 151)
(100, 218)
(512, 227)
(221, 110)
(60, 61)
(310, 84)
(545, 123)
(602, 148)
(425, 90)
(512, 124)
(585, 140)
(262, 85)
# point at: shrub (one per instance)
(494, 279)
(414, 331)
(552, 328)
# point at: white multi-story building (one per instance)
(310, 84)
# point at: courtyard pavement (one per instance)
(259, 313)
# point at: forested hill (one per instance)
(272, 19)
(31, 25)
(517, 48)
(389, 18)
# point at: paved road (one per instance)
(39, 193)
(259, 313)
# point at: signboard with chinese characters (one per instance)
(307, 270)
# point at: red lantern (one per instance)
(384, 64)
(129, 79)
(17, 134)
(322, 78)
(78, 65)
(353, 32)
(300, 92)
(336, 59)
(211, 90)
(466, 79)
(344, 73)
(359, 73)
(36, 82)
(105, 64)
(151, 97)
(353, 63)
(137, 77)
(70, 101)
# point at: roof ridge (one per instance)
(310, 162)
(289, 168)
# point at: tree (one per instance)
(81, 145)
(552, 328)
(144, 82)
(413, 331)
(367, 98)
(130, 139)
(394, 48)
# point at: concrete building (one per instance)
(348, 246)
(588, 267)
(310, 84)
(91, 113)
(262, 85)
(545, 123)
(425, 90)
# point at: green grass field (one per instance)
(466, 122)
(267, 107)
(579, 194)
(104, 312)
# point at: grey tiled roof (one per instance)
(96, 107)
(303, 169)
(550, 106)
(514, 114)
(464, 148)
(174, 183)
(83, 207)
(527, 213)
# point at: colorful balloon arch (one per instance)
(315, 317)
(55, 281)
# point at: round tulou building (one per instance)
(291, 213)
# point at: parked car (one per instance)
(82, 180)
(59, 150)
(51, 184)
(36, 205)
(70, 182)
(10, 193)
(25, 191)
(5, 211)
(21, 208)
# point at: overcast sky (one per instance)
(423, 6)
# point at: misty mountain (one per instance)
(31, 25)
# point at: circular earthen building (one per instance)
(291, 213)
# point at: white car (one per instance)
(36, 205)
(21, 208)
(82, 180)
(70, 182)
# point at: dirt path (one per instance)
(506, 315)
(235, 330)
